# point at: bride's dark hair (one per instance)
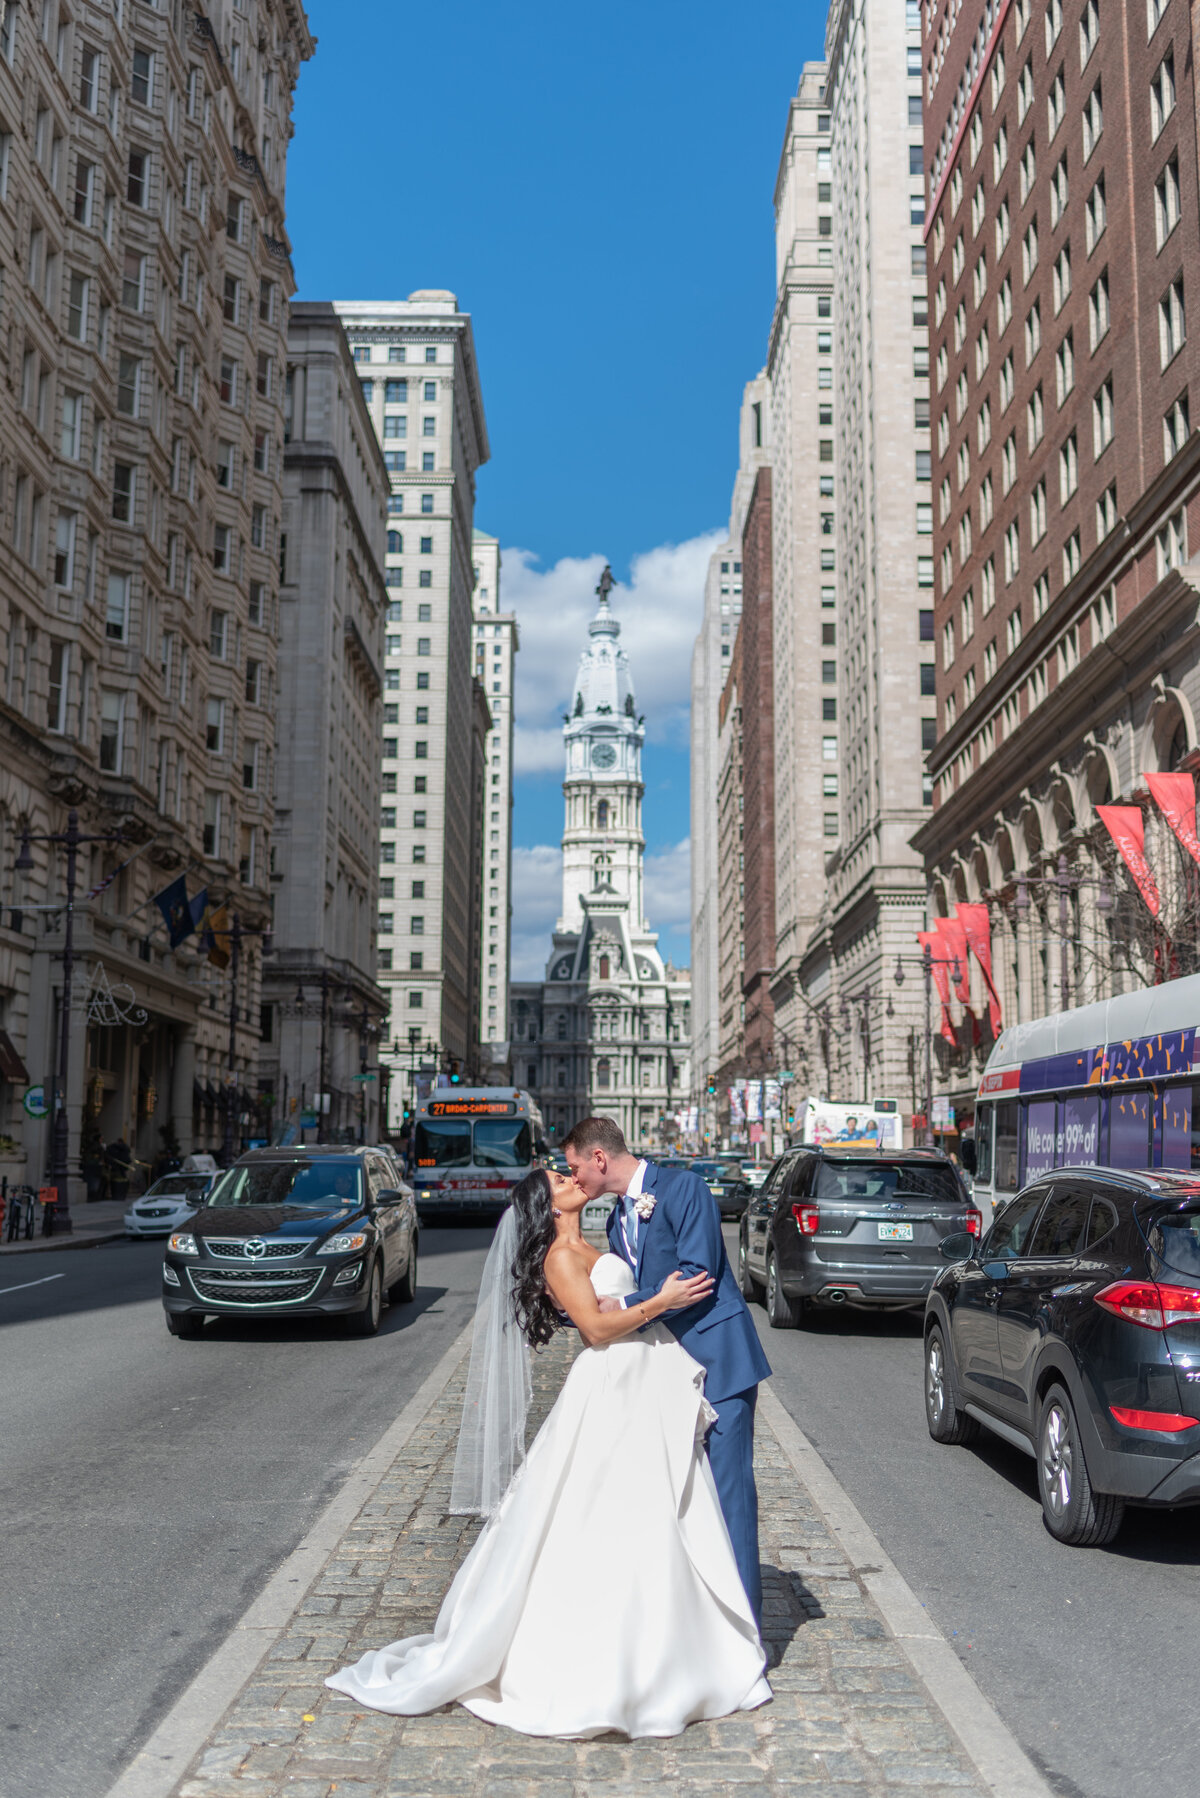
(533, 1308)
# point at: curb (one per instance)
(990, 1745)
(46, 1245)
(161, 1763)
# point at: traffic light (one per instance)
(455, 1076)
(712, 1089)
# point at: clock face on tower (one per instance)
(603, 755)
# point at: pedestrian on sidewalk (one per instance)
(119, 1158)
(542, 1629)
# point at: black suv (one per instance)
(1073, 1331)
(307, 1231)
(855, 1227)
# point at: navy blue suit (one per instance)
(684, 1232)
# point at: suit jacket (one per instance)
(684, 1232)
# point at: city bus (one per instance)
(471, 1145)
(1115, 1084)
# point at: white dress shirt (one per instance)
(630, 1221)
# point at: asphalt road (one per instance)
(149, 1486)
(1080, 1650)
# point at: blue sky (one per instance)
(595, 185)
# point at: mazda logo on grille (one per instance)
(256, 1246)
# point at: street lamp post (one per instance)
(72, 837)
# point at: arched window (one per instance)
(602, 815)
(604, 967)
(395, 544)
(603, 1073)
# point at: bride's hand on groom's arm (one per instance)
(678, 1290)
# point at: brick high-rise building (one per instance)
(142, 335)
(1064, 262)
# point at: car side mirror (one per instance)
(958, 1247)
(967, 1151)
(388, 1195)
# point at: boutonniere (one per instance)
(644, 1204)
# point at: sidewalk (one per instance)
(850, 1713)
(102, 1222)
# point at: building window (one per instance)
(427, 502)
(122, 498)
(1171, 323)
(212, 824)
(137, 178)
(116, 614)
(112, 718)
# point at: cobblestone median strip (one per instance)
(851, 1713)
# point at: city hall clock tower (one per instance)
(602, 840)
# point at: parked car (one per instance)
(755, 1172)
(1072, 1331)
(723, 1179)
(304, 1231)
(168, 1204)
(849, 1227)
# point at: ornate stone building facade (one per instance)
(143, 155)
(609, 1028)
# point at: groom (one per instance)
(665, 1219)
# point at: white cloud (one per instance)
(660, 611)
(536, 898)
(669, 887)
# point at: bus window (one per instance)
(1129, 1129)
(1179, 1145)
(502, 1142)
(444, 1142)
(1006, 1147)
(1039, 1120)
(1080, 1131)
(983, 1144)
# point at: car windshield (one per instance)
(708, 1170)
(498, 1142)
(444, 1142)
(324, 1185)
(875, 1183)
(502, 1142)
(179, 1186)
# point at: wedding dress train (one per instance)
(603, 1594)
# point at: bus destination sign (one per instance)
(471, 1108)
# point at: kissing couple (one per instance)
(615, 1584)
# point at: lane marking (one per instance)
(998, 1757)
(158, 1767)
(45, 1281)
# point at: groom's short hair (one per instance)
(596, 1133)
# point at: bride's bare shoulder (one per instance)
(566, 1257)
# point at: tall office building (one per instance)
(142, 318)
(1061, 169)
(805, 650)
(496, 645)
(420, 381)
(322, 1012)
(875, 897)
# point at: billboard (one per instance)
(847, 1126)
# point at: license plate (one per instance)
(895, 1232)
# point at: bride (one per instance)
(602, 1593)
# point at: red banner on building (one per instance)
(1175, 797)
(954, 939)
(976, 922)
(1126, 827)
(929, 939)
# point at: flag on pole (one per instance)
(1126, 827)
(214, 934)
(176, 911)
(1175, 797)
(930, 940)
(954, 937)
(976, 922)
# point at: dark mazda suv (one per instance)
(305, 1231)
(855, 1227)
(1072, 1331)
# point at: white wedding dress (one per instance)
(603, 1594)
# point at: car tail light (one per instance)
(974, 1223)
(808, 1219)
(1153, 1306)
(1169, 1421)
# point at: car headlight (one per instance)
(343, 1245)
(183, 1243)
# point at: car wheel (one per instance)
(751, 1290)
(1074, 1512)
(783, 1313)
(946, 1422)
(405, 1289)
(188, 1324)
(366, 1321)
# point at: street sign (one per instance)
(308, 1120)
(34, 1102)
(943, 1112)
(362, 1076)
(786, 1074)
